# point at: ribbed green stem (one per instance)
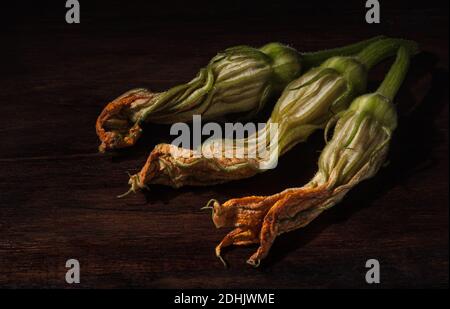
(382, 49)
(313, 59)
(396, 74)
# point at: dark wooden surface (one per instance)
(57, 194)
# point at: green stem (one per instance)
(312, 59)
(396, 74)
(382, 49)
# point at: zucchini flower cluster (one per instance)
(306, 104)
(239, 80)
(357, 150)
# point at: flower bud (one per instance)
(310, 101)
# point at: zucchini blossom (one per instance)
(357, 150)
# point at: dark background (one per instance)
(57, 194)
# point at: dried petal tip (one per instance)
(135, 185)
(208, 205)
(220, 257)
(126, 193)
(254, 263)
(220, 215)
(114, 125)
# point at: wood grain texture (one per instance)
(57, 194)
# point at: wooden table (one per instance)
(57, 193)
